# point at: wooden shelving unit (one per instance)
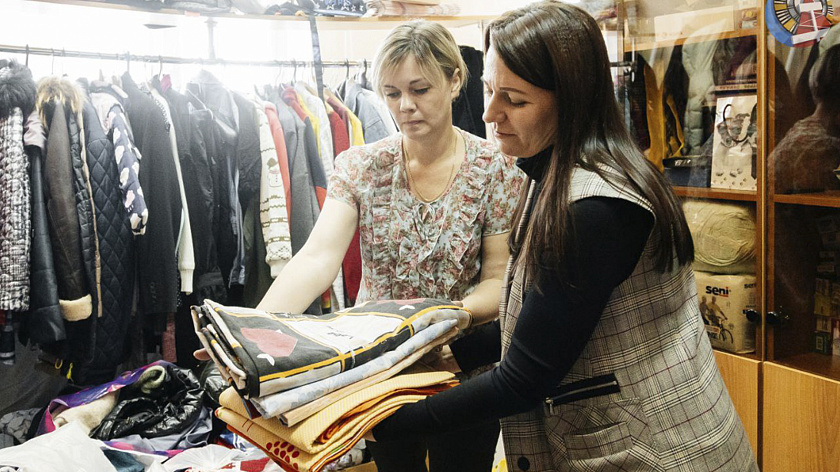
(647, 43)
(830, 199)
(818, 364)
(716, 194)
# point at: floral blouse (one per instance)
(412, 249)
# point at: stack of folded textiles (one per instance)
(320, 383)
(411, 8)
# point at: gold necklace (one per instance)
(413, 185)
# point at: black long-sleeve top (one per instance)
(554, 325)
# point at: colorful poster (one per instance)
(799, 23)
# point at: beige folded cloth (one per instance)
(328, 434)
(306, 434)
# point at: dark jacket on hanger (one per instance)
(43, 324)
(229, 241)
(84, 207)
(63, 222)
(67, 174)
(196, 133)
(157, 265)
(116, 250)
(469, 106)
(248, 150)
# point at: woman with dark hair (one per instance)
(606, 364)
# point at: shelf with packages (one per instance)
(324, 22)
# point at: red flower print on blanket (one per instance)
(273, 343)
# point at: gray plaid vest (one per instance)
(645, 393)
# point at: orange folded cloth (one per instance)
(325, 436)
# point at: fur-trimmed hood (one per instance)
(56, 89)
(17, 89)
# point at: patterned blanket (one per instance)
(262, 353)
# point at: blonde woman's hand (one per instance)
(201, 354)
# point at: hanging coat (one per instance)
(230, 246)
(17, 98)
(157, 266)
(63, 222)
(43, 324)
(116, 250)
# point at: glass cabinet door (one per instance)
(803, 191)
(691, 100)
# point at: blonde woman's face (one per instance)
(421, 106)
(522, 116)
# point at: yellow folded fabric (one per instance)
(306, 434)
(292, 458)
(368, 406)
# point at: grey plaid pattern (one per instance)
(14, 215)
(673, 411)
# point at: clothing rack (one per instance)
(128, 57)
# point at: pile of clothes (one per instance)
(306, 389)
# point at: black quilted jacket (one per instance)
(79, 333)
(116, 251)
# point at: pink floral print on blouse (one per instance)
(413, 249)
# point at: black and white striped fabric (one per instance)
(14, 214)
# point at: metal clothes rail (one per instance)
(128, 57)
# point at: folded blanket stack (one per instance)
(287, 371)
(332, 431)
(410, 8)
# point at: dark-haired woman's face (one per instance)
(522, 115)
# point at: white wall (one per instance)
(112, 31)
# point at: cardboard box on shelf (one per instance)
(835, 337)
(822, 342)
(823, 324)
(822, 297)
(723, 302)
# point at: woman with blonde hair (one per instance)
(433, 206)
